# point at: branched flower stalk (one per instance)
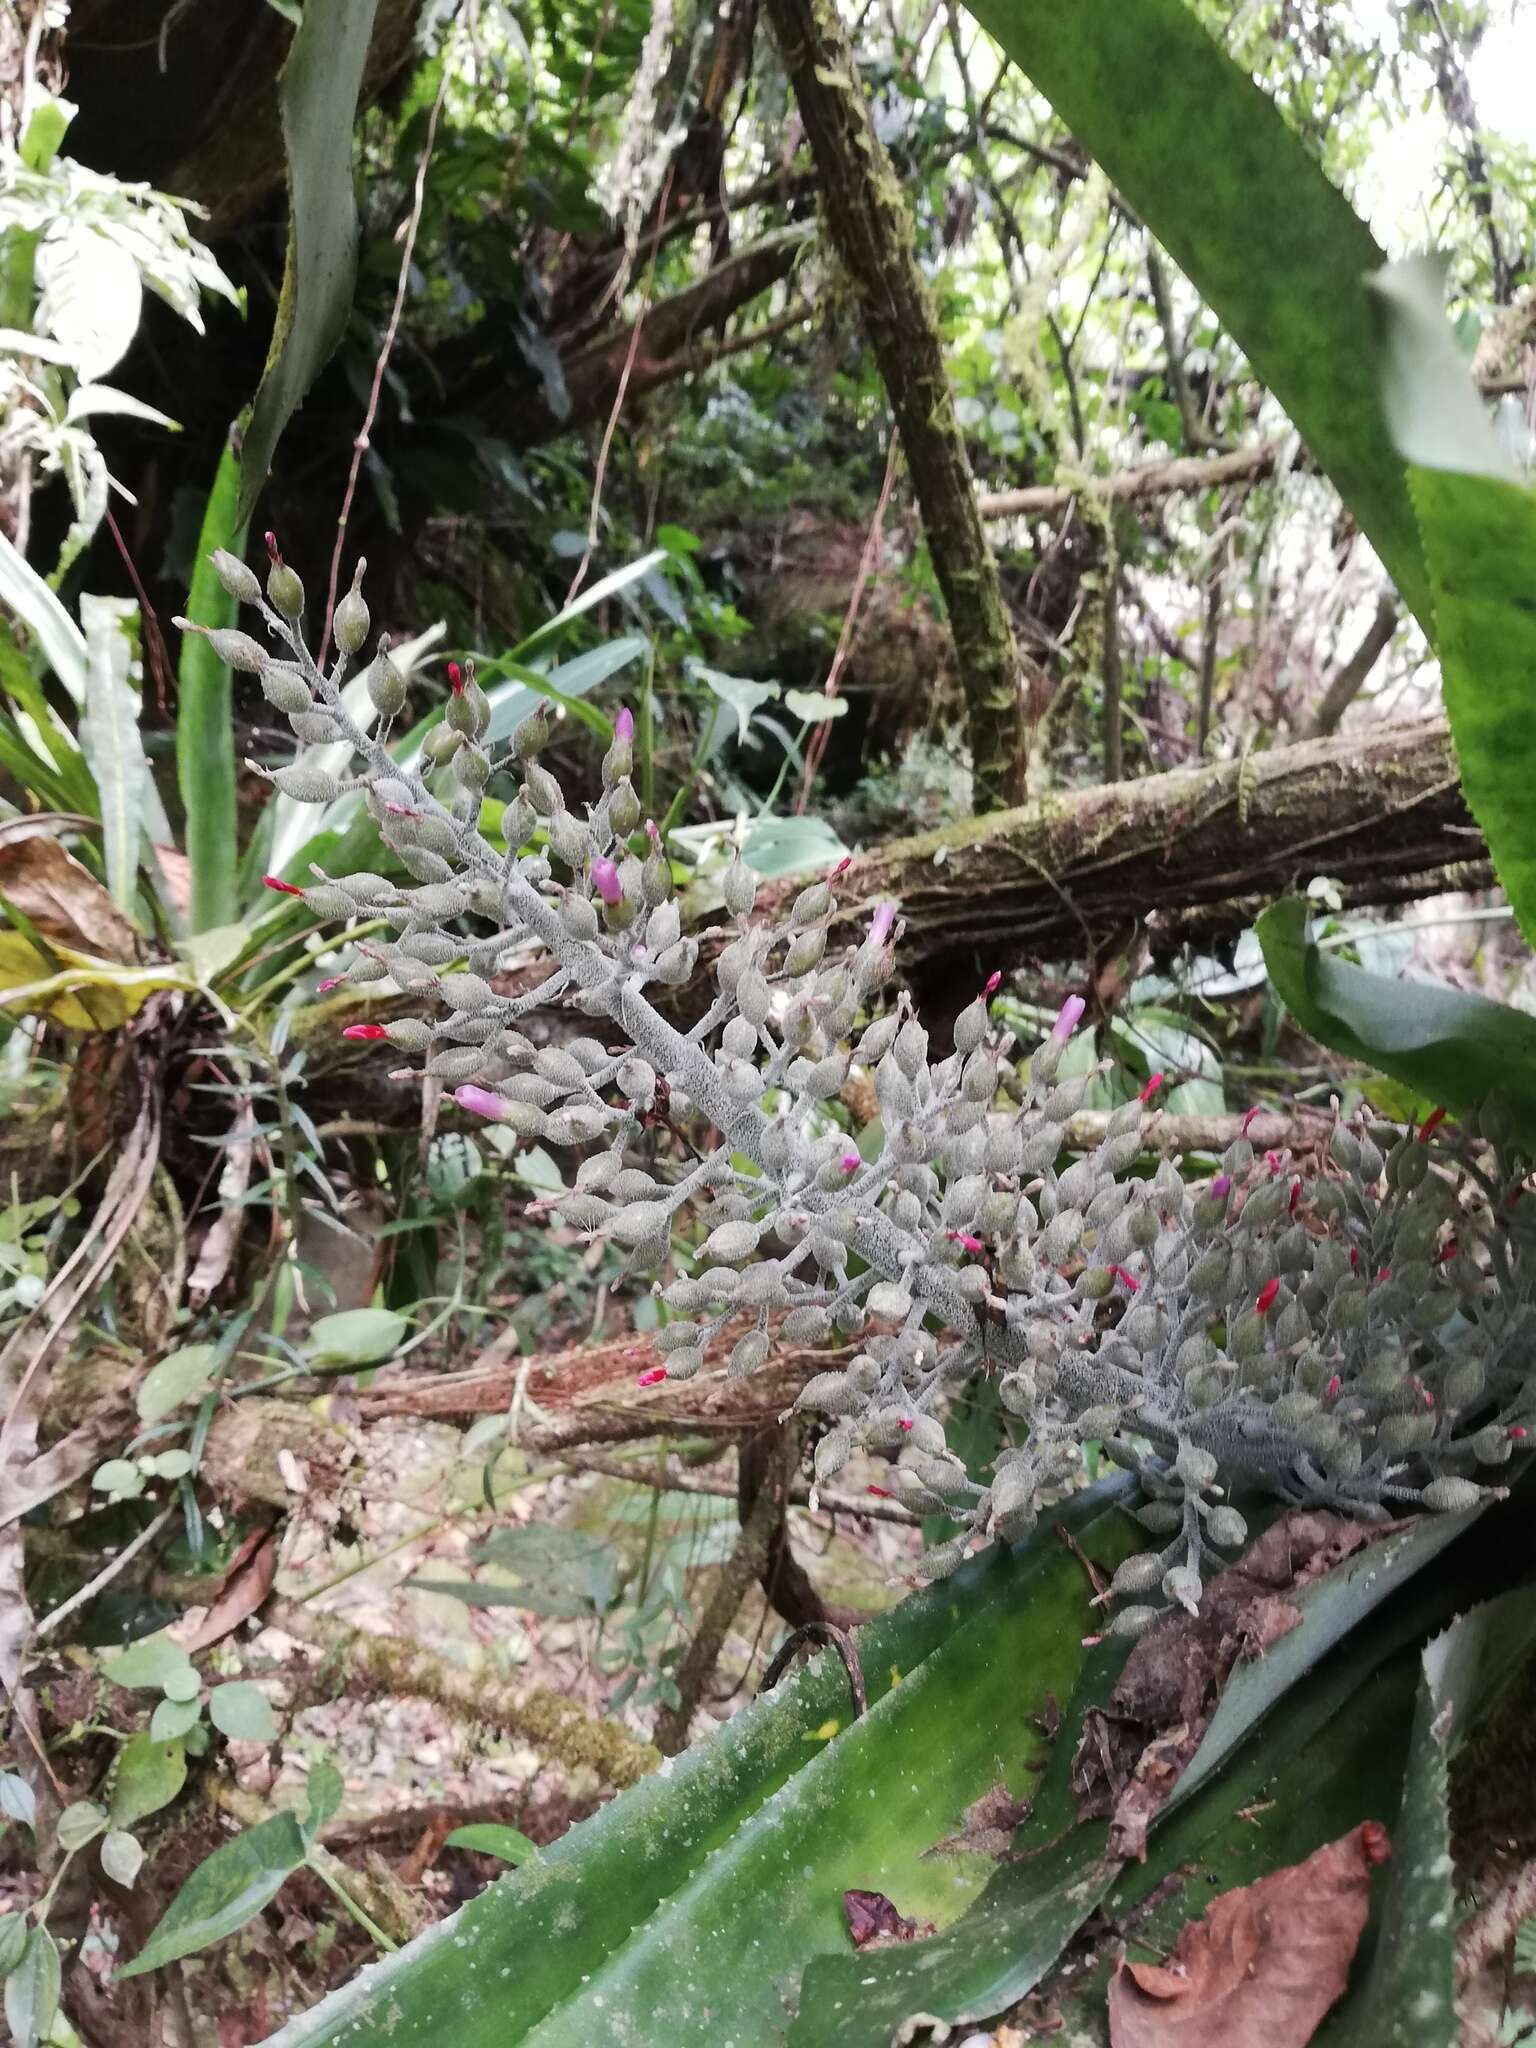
(1358, 1337)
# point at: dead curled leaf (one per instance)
(248, 1583)
(873, 1922)
(1134, 1750)
(1264, 1964)
(62, 900)
(988, 1827)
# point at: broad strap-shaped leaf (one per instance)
(1207, 161)
(696, 1898)
(1478, 526)
(205, 741)
(1407, 1998)
(1452, 1047)
(1001, 1948)
(318, 98)
(110, 739)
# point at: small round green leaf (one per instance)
(148, 1663)
(183, 1685)
(355, 1337)
(80, 1823)
(242, 1712)
(173, 1718)
(149, 1775)
(177, 1379)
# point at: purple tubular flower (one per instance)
(1067, 1019)
(880, 924)
(1221, 1187)
(624, 724)
(850, 1161)
(605, 880)
(481, 1101)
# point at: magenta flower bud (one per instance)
(653, 1378)
(994, 983)
(1147, 1093)
(881, 922)
(605, 880)
(283, 888)
(964, 1239)
(1067, 1019)
(850, 1161)
(481, 1101)
(326, 986)
(1221, 1187)
(624, 725)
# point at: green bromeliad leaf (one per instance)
(697, 1898)
(1453, 1047)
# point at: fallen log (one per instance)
(1379, 810)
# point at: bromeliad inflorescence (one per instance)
(1357, 1335)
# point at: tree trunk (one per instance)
(871, 229)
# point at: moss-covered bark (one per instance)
(870, 227)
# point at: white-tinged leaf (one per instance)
(109, 738)
(740, 696)
(122, 1857)
(1436, 415)
(790, 846)
(16, 341)
(17, 1800)
(88, 401)
(91, 296)
(25, 593)
(815, 707)
(594, 594)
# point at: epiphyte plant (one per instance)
(1355, 1335)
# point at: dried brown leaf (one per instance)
(248, 1584)
(988, 1827)
(1264, 1964)
(874, 1922)
(1133, 1751)
(63, 899)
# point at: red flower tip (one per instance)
(1518, 1432)
(1154, 1082)
(326, 986)
(1447, 1251)
(1383, 1273)
(370, 1033)
(1129, 1278)
(269, 541)
(455, 678)
(1375, 1843)
(904, 1422)
(841, 869)
(1267, 1295)
(283, 888)
(994, 982)
(1431, 1124)
(1257, 1110)
(1354, 1257)
(654, 1377)
(402, 810)
(884, 1492)
(1293, 1198)
(1272, 1161)
(964, 1238)
(1331, 1391)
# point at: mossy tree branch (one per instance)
(870, 227)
